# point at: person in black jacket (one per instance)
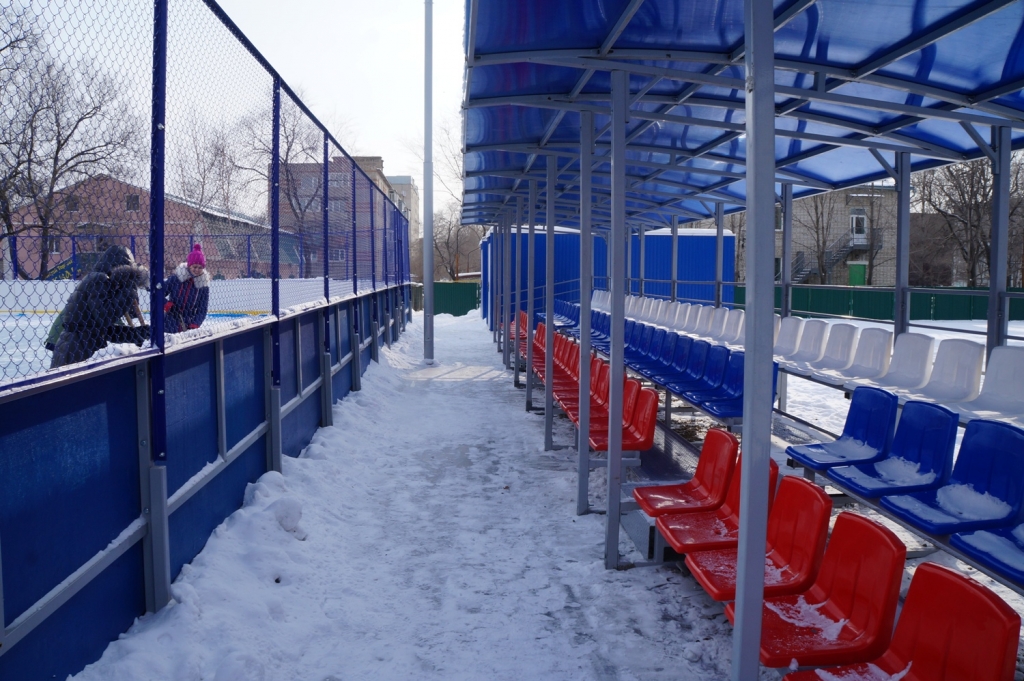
(96, 311)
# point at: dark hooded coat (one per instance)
(95, 312)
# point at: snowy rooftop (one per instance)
(439, 542)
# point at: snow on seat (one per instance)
(790, 330)
(985, 490)
(919, 458)
(956, 374)
(871, 359)
(717, 529)
(951, 627)
(866, 436)
(812, 344)
(846, 616)
(1001, 393)
(842, 341)
(705, 491)
(797, 531)
(910, 366)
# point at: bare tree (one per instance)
(962, 195)
(820, 229)
(59, 127)
(457, 246)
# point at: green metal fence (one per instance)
(456, 298)
(869, 303)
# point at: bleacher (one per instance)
(831, 599)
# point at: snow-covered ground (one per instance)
(427, 535)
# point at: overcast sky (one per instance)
(359, 64)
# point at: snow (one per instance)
(844, 449)
(806, 615)
(1000, 548)
(869, 673)
(899, 471)
(425, 535)
(963, 501)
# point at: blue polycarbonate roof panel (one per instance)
(895, 75)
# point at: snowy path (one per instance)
(436, 541)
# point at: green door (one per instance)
(858, 273)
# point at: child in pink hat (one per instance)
(188, 293)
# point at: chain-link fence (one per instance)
(98, 204)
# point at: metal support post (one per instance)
(999, 240)
(355, 236)
(354, 343)
(787, 250)
(549, 302)
(327, 386)
(428, 185)
(674, 276)
(275, 282)
(760, 308)
(719, 250)
(373, 241)
(620, 106)
(629, 261)
(515, 283)
(506, 288)
(643, 258)
(901, 308)
(586, 285)
(159, 536)
(324, 203)
(531, 288)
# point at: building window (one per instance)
(778, 218)
(53, 244)
(131, 202)
(336, 206)
(71, 203)
(858, 222)
(335, 179)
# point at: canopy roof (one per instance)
(856, 82)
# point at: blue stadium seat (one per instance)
(986, 489)
(920, 457)
(866, 436)
(730, 388)
(714, 371)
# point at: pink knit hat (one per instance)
(196, 257)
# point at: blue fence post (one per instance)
(325, 198)
(248, 256)
(355, 235)
(14, 256)
(154, 495)
(373, 242)
(74, 259)
(275, 283)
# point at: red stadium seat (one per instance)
(718, 529)
(950, 628)
(847, 615)
(706, 490)
(797, 531)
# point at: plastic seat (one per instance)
(842, 342)
(705, 491)
(730, 410)
(730, 387)
(719, 318)
(637, 429)
(704, 319)
(714, 371)
(790, 330)
(920, 457)
(692, 318)
(682, 311)
(695, 361)
(910, 366)
(985, 490)
(1001, 394)
(871, 359)
(866, 437)
(846, 616)
(668, 315)
(733, 333)
(950, 628)
(797, 531)
(663, 361)
(717, 529)
(812, 344)
(680, 356)
(956, 373)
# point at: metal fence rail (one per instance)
(130, 438)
